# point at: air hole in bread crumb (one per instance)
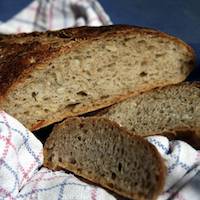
(72, 161)
(159, 55)
(160, 41)
(119, 167)
(132, 129)
(142, 74)
(46, 110)
(26, 112)
(136, 183)
(79, 138)
(50, 159)
(104, 96)
(174, 49)
(82, 93)
(34, 94)
(113, 176)
(144, 62)
(81, 125)
(191, 109)
(151, 47)
(141, 42)
(60, 159)
(99, 69)
(127, 39)
(71, 105)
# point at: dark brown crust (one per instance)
(18, 50)
(101, 181)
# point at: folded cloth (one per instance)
(47, 184)
(183, 169)
(42, 15)
(21, 154)
(22, 176)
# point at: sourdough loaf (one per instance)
(106, 154)
(173, 109)
(46, 77)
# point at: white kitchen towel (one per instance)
(58, 185)
(21, 157)
(183, 169)
(42, 15)
(22, 176)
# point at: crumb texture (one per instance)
(159, 110)
(104, 153)
(68, 76)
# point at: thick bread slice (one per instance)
(104, 153)
(45, 77)
(170, 109)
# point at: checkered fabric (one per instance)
(42, 15)
(22, 176)
(183, 169)
(20, 156)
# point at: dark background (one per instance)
(177, 17)
(180, 18)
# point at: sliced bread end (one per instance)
(106, 154)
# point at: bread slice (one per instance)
(104, 153)
(172, 109)
(46, 77)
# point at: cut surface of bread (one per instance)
(172, 108)
(46, 77)
(106, 154)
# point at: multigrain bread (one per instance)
(170, 110)
(46, 77)
(101, 151)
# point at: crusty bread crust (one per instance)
(100, 180)
(18, 51)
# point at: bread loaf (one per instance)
(172, 109)
(46, 77)
(106, 154)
